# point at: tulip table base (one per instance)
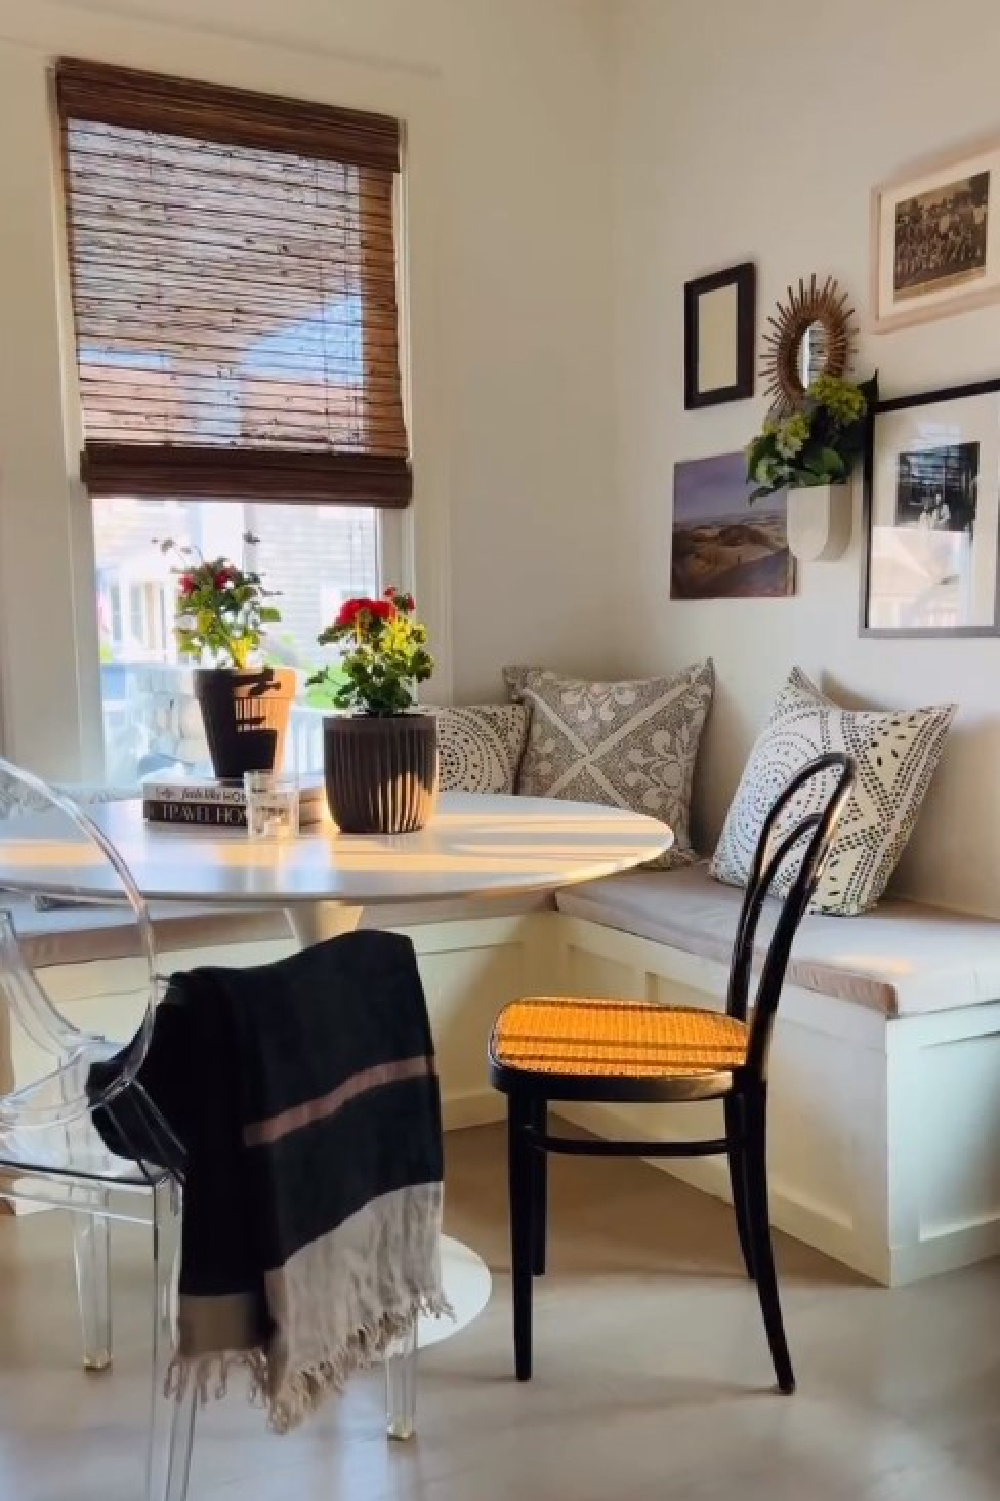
(312, 922)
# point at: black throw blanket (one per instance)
(306, 1101)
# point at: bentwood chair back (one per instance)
(549, 1049)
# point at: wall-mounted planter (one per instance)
(819, 522)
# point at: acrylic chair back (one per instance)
(51, 849)
(793, 848)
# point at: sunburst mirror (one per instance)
(811, 334)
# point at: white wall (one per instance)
(507, 108)
(756, 131)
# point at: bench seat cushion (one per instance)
(903, 959)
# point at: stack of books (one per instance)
(193, 801)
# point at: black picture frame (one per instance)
(923, 473)
(744, 279)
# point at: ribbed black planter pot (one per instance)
(245, 716)
(381, 774)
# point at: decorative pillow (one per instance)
(895, 751)
(480, 746)
(630, 744)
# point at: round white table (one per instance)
(474, 846)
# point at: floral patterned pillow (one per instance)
(630, 744)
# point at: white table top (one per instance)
(474, 846)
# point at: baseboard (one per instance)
(807, 1222)
(472, 1107)
(945, 1251)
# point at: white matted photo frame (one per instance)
(935, 232)
(720, 330)
(932, 515)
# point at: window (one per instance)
(233, 265)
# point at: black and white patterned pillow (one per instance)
(629, 744)
(895, 753)
(480, 746)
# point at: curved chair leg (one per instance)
(91, 1245)
(732, 1106)
(401, 1386)
(539, 1191)
(171, 1430)
(519, 1155)
(755, 1106)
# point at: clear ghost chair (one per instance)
(50, 1152)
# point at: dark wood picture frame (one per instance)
(744, 279)
(985, 509)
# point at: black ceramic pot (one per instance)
(381, 773)
(245, 716)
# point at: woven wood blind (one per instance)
(233, 269)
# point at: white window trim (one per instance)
(49, 663)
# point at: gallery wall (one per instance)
(756, 132)
(508, 107)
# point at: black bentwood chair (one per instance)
(548, 1049)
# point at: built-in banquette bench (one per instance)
(885, 1088)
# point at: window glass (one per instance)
(314, 556)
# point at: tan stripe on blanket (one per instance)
(267, 1132)
(208, 1324)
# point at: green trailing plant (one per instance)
(220, 610)
(817, 443)
(383, 655)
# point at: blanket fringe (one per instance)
(210, 1375)
(306, 1390)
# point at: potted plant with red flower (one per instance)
(380, 757)
(220, 614)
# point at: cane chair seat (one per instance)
(597, 1039)
(548, 1049)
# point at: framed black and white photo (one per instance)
(719, 333)
(932, 515)
(936, 238)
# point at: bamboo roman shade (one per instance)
(233, 269)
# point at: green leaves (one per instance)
(384, 655)
(817, 444)
(220, 609)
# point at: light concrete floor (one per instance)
(653, 1380)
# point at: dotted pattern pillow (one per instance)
(895, 752)
(480, 747)
(631, 744)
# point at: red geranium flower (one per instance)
(224, 576)
(187, 584)
(352, 608)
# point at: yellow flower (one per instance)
(843, 400)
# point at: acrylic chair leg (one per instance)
(732, 1106)
(760, 1239)
(91, 1246)
(171, 1429)
(519, 1156)
(539, 1191)
(401, 1386)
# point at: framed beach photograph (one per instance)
(932, 515)
(722, 547)
(936, 238)
(720, 314)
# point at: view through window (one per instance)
(314, 556)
